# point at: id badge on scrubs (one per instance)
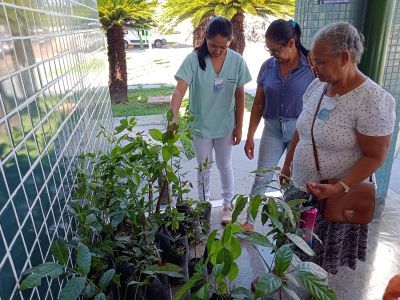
(327, 109)
(218, 84)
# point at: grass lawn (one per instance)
(137, 102)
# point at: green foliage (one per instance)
(133, 13)
(282, 237)
(176, 11)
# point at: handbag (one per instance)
(353, 207)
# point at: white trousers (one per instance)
(223, 158)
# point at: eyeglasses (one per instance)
(275, 51)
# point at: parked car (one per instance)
(132, 38)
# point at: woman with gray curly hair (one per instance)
(352, 132)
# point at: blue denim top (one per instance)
(283, 97)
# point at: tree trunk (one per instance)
(198, 33)
(118, 78)
(238, 42)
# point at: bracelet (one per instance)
(345, 186)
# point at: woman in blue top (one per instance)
(281, 83)
(216, 76)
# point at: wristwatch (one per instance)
(345, 186)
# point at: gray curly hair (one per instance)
(339, 37)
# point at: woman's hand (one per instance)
(249, 148)
(324, 190)
(285, 173)
(236, 135)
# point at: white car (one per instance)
(131, 38)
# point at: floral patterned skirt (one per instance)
(342, 244)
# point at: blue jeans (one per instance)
(275, 139)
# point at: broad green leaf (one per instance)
(73, 289)
(255, 205)
(289, 212)
(83, 258)
(283, 258)
(166, 154)
(272, 207)
(277, 224)
(156, 134)
(187, 286)
(234, 272)
(37, 273)
(170, 115)
(241, 291)
(258, 239)
(60, 251)
(267, 284)
(92, 222)
(128, 148)
(89, 291)
(235, 248)
(224, 256)
(100, 296)
(292, 279)
(315, 286)
(292, 294)
(312, 268)
(210, 240)
(240, 204)
(226, 235)
(106, 279)
(203, 292)
(264, 214)
(299, 242)
(168, 269)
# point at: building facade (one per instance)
(53, 98)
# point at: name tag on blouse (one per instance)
(218, 84)
(328, 107)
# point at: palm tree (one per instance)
(176, 11)
(114, 15)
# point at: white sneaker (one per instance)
(226, 216)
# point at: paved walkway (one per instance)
(370, 278)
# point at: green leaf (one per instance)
(37, 273)
(233, 272)
(264, 215)
(168, 269)
(240, 204)
(241, 291)
(276, 223)
(73, 288)
(289, 212)
(106, 279)
(100, 296)
(211, 239)
(60, 251)
(272, 207)
(267, 284)
(283, 258)
(166, 154)
(299, 242)
(227, 235)
(254, 206)
(312, 268)
(156, 134)
(292, 279)
(170, 115)
(187, 286)
(89, 291)
(203, 292)
(315, 286)
(235, 248)
(83, 258)
(258, 239)
(128, 148)
(224, 256)
(292, 294)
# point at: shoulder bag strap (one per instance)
(312, 132)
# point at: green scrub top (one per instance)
(211, 104)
